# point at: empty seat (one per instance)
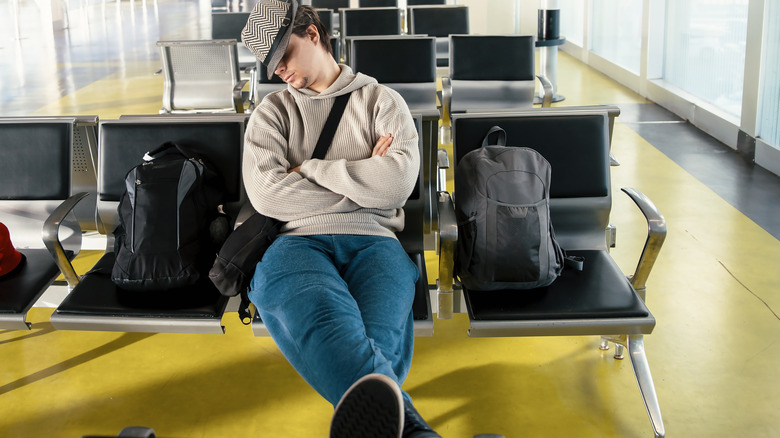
(439, 22)
(201, 76)
(370, 21)
(37, 188)
(83, 143)
(378, 3)
(405, 64)
(491, 72)
(336, 5)
(228, 25)
(425, 2)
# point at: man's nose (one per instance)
(280, 68)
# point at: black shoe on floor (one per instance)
(371, 407)
(414, 425)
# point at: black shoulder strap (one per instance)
(326, 136)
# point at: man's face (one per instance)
(300, 65)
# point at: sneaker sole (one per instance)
(372, 407)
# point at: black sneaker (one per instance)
(414, 425)
(371, 407)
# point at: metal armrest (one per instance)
(656, 233)
(238, 99)
(448, 237)
(445, 134)
(252, 85)
(442, 164)
(547, 87)
(50, 234)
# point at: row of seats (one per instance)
(38, 198)
(599, 300)
(344, 4)
(438, 21)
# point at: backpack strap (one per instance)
(501, 137)
(573, 262)
(329, 130)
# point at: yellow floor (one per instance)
(714, 353)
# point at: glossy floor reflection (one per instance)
(714, 290)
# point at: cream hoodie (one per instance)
(348, 192)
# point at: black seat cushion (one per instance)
(21, 288)
(600, 290)
(97, 295)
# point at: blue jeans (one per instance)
(338, 307)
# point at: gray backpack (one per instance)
(502, 204)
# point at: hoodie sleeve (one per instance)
(271, 190)
(376, 182)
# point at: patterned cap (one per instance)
(267, 31)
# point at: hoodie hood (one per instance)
(347, 82)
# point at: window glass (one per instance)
(769, 106)
(572, 12)
(616, 32)
(705, 50)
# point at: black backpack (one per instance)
(502, 204)
(163, 240)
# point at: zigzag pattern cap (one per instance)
(267, 31)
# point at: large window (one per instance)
(769, 111)
(705, 50)
(572, 12)
(616, 32)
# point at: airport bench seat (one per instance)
(600, 299)
(46, 160)
(201, 76)
(95, 303)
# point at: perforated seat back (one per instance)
(199, 74)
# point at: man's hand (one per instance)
(382, 145)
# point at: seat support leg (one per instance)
(620, 342)
(636, 351)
